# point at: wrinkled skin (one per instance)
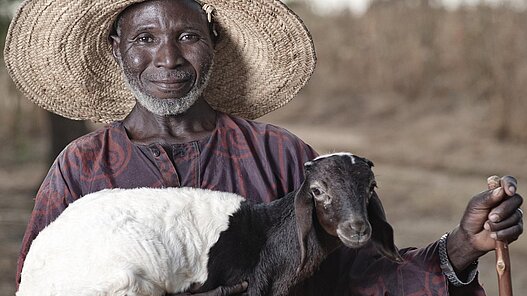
(490, 215)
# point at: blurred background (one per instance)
(431, 91)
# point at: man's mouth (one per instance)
(171, 85)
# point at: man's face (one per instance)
(166, 52)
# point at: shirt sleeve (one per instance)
(58, 189)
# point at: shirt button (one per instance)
(155, 151)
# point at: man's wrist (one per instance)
(457, 279)
(460, 251)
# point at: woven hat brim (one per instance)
(58, 55)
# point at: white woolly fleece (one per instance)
(128, 242)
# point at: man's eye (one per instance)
(145, 39)
(188, 37)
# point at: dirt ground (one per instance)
(428, 164)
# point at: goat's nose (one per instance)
(357, 226)
(354, 233)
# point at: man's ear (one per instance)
(115, 41)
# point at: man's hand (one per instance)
(491, 215)
(220, 291)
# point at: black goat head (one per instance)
(339, 188)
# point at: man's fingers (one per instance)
(512, 220)
(231, 290)
(219, 291)
(486, 200)
(509, 235)
(505, 209)
(510, 184)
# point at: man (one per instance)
(196, 70)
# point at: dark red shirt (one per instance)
(259, 161)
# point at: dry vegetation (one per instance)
(433, 97)
(409, 51)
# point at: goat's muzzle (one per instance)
(354, 233)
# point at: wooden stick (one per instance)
(503, 262)
(503, 267)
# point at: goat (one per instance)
(221, 240)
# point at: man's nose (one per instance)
(169, 55)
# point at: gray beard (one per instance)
(170, 106)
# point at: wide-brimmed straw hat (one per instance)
(57, 53)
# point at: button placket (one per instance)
(186, 160)
(165, 166)
(197, 163)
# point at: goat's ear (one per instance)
(382, 231)
(369, 162)
(304, 220)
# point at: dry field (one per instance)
(433, 98)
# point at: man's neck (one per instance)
(144, 127)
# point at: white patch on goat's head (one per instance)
(335, 154)
(351, 156)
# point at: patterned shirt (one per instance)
(259, 161)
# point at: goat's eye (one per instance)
(316, 191)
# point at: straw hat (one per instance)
(58, 54)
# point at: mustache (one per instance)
(169, 75)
